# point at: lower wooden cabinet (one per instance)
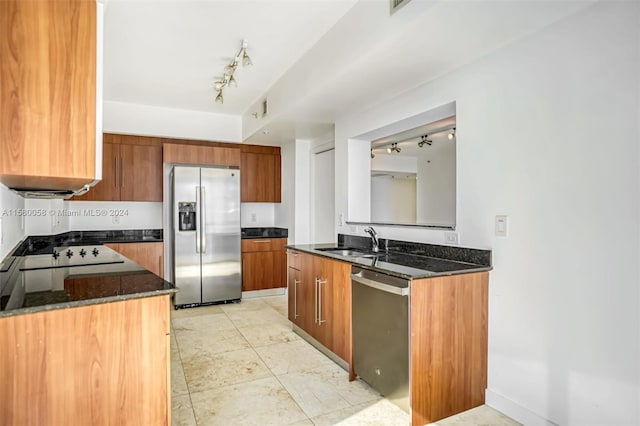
(98, 364)
(263, 263)
(320, 300)
(148, 255)
(449, 323)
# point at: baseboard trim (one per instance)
(514, 410)
(319, 346)
(264, 293)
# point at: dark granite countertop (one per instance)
(24, 291)
(264, 233)
(405, 260)
(44, 244)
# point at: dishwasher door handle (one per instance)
(400, 291)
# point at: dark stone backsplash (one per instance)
(457, 254)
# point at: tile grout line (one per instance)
(193, 411)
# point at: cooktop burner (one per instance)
(64, 257)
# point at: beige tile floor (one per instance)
(240, 364)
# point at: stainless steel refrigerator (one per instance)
(206, 235)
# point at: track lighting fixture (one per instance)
(424, 139)
(393, 148)
(452, 134)
(230, 70)
(372, 154)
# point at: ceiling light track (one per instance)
(242, 57)
(422, 140)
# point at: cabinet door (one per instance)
(48, 93)
(338, 301)
(258, 270)
(108, 189)
(202, 155)
(148, 255)
(140, 173)
(258, 176)
(323, 288)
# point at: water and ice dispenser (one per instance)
(186, 216)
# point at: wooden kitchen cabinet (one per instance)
(448, 340)
(129, 173)
(260, 174)
(49, 128)
(148, 255)
(262, 263)
(88, 365)
(201, 155)
(320, 294)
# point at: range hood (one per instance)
(50, 194)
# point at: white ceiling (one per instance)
(169, 53)
(315, 60)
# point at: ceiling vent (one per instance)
(396, 4)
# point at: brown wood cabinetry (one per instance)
(263, 261)
(129, 173)
(88, 365)
(201, 155)
(148, 255)
(260, 174)
(48, 93)
(320, 300)
(448, 345)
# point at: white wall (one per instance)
(547, 133)
(11, 229)
(302, 199)
(393, 199)
(147, 120)
(284, 212)
(254, 215)
(436, 192)
(101, 215)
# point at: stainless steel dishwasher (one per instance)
(380, 321)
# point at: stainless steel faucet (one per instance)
(374, 239)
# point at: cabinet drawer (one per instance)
(294, 259)
(261, 244)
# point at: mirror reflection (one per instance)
(413, 176)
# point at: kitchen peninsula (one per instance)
(84, 334)
(410, 319)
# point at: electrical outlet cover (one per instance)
(451, 237)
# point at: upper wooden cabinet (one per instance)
(260, 174)
(130, 173)
(201, 155)
(49, 125)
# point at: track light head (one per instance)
(219, 98)
(372, 155)
(452, 134)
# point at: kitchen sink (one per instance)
(348, 252)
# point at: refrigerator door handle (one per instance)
(198, 228)
(203, 216)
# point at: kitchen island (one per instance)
(435, 345)
(84, 339)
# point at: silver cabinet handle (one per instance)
(203, 216)
(198, 227)
(122, 172)
(262, 241)
(320, 320)
(295, 298)
(315, 305)
(115, 174)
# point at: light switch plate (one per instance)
(502, 226)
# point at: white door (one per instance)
(323, 206)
